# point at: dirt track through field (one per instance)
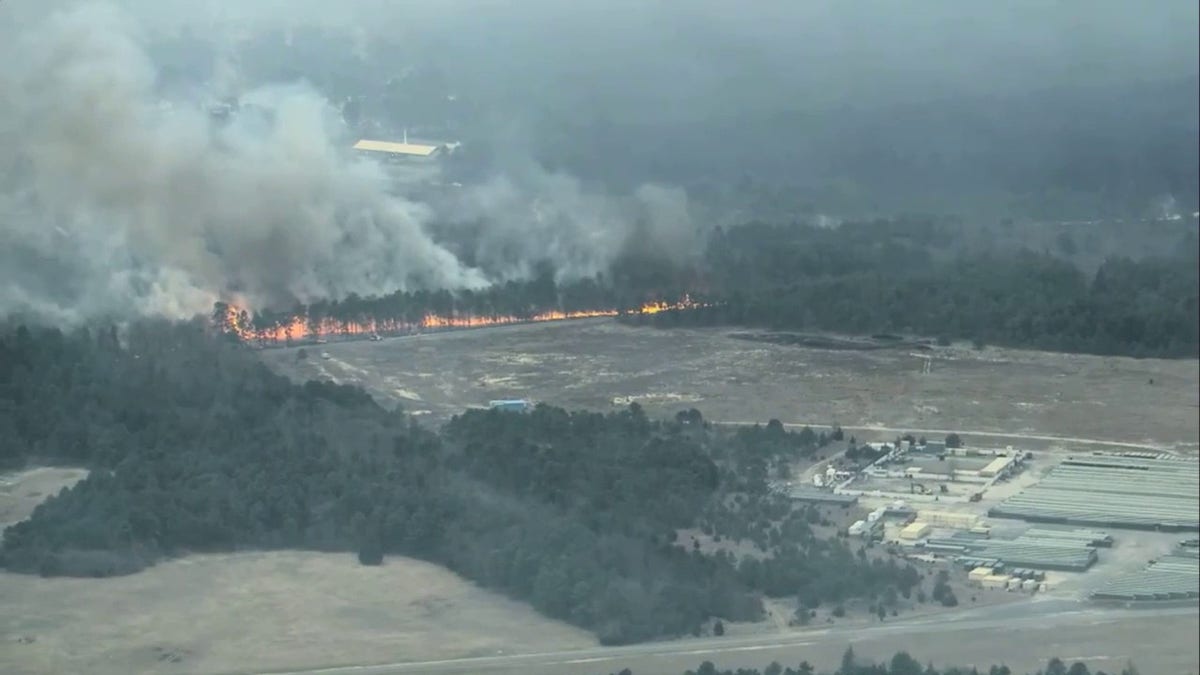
(1041, 397)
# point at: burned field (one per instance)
(597, 364)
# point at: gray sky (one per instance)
(825, 49)
(599, 109)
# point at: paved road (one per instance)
(963, 432)
(1023, 635)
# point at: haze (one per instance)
(680, 91)
(599, 336)
(585, 124)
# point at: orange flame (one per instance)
(301, 328)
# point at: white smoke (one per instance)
(112, 200)
(120, 197)
(525, 216)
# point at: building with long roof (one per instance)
(397, 150)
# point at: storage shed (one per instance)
(952, 519)
(994, 581)
(915, 530)
(979, 574)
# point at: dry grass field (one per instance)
(258, 612)
(588, 364)
(250, 612)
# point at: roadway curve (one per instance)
(1023, 635)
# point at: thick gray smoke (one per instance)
(509, 224)
(116, 198)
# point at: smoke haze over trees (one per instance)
(122, 195)
(919, 276)
(913, 276)
(590, 129)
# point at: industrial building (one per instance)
(998, 466)
(952, 519)
(403, 150)
(1084, 537)
(988, 577)
(1071, 554)
(511, 405)
(1172, 577)
(915, 530)
(1113, 491)
(803, 494)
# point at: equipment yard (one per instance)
(1175, 576)
(1161, 494)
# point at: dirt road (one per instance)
(1157, 641)
(974, 432)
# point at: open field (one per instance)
(261, 612)
(255, 612)
(284, 612)
(250, 611)
(1030, 397)
(22, 491)
(1162, 642)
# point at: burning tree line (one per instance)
(407, 312)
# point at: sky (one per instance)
(602, 119)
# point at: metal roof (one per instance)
(1113, 492)
(996, 465)
(1173, 576)
(809, 495)
(1085, 537)
(413, 149)
(1048, 554)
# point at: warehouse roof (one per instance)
(1173, 576)
(1114, 492)
(1036, 553)
(411, 149)
(996, 465)
(809, 495)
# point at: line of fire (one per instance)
(306, 327)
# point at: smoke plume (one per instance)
(510, 223)
(119, 197)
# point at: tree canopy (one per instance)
(194, 445)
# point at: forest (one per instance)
(928, 277)
(902, 663)
(195, 446)
(909, 276)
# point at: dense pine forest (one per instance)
(194, 445)
(913, 277)
(928, 277)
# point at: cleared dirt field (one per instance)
(258, 612)
(589, 363)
